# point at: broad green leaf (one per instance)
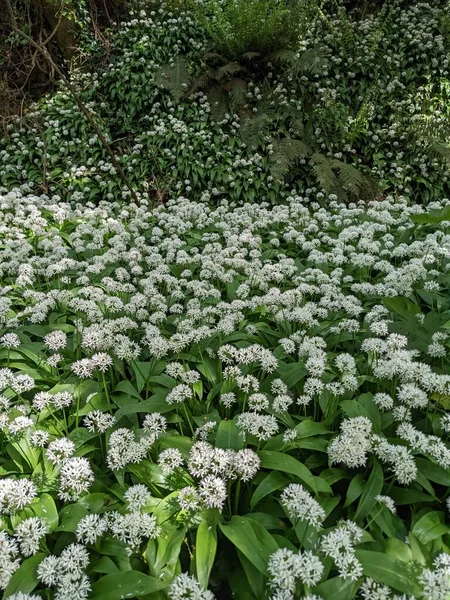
(432, 217)
(228, 436)
(70, 516)
(403, 496)
(45, 508)
(433, 472)
(25, 578)
(371, 489)
(384, 569)
(126, 584)
(105, 566)
(355, 489)
(205, 551)
(156, 403)
(251, 539)
(398, 550)
(430, 526)
(278, 461)
(337, 589)
(128, 388)
(401, 306)
(291, 373)
(254, 577)
(309, 428)
(142, 372)
(169, 546)
(273, 481)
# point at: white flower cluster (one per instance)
(130, 527)
(67, 573)
(286, 568)
(214, 467)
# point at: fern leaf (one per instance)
(254, 131)
(323, 171)
(237, 89)
(439, 150)
(349, 176)
(229, 69)
(218, 101)
(175, 78)
(285, 153)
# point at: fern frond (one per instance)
(218, 101)
(323, 171)
(201, 82)
(251, 55)
(229, 69)
(237, 89)
(349, 176)
(254, 131)
(285, 153)
(284, 55)
(439, 149)
(175, 78)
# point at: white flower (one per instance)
(76, 477)
(185, 586)
(29, 534)
(137, 496)
(301, 505)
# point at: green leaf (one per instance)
(228, 436)
(273, 481)
(373, 488)
(251, 539)
(125, 584)
(25, 578)
(401, 306)
(337, 589)
(430, 526)
(290, 373)
(309, 428)
(169, 546)
(153, 404)
(384, 569)
(433, 216)
(205, 553)
(254, 577)
(45, 508)
(433, 472)
(127, 388)
(70, 516)
(355, 489)
(278, 461)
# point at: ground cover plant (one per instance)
(232, 380)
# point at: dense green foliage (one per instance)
(235, 384)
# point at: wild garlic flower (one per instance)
(169, 460)
(15, 494)
(386, 501)
(76, 477)
(29, 534)
(9, 561)
(90, 528)
(353, 444)
(185, 586)
(55, 340)
(60, 450)
(98, 422)
(299, 504)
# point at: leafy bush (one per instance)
(239, 27)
